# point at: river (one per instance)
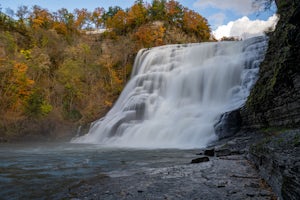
(49, 170)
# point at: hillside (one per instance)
(56, 75)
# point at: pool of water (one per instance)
(39, 171)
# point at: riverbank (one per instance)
(250, 165)
(227, 169)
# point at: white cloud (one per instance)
(244, 28)
(243, 7)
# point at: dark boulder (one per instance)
(228, 124)
(209, 152)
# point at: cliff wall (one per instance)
(275, 98)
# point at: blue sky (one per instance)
(218, 12)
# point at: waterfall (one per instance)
(177, 93)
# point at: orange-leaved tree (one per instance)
(118, 22)
(174, 11)
(137, 15)
(150, 35)
(195, 23)
(20, 87)
(40, 18)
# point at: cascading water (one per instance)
(178, 92)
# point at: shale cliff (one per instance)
(275, 99)
(273, 106)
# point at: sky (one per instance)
(230, 18)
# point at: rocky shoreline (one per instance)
(238, 167)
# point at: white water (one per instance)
(177, 93)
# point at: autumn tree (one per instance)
(158, 10)
(22, 14)
(96, 17)
(118, 22)
(110, 13)
(137, 15)
(40, 18)
(82, 16)
(20, 86)
(195, 23)
(150, 35)
(63, 75)
(36, 105)
(174, 11)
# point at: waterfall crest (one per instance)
(178, 92)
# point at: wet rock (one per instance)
(217, 179)
(274, 100)
(277, 159)
(200, 153)
(223, 152)
(291, 185)
(295, 17)
(229, 124)
(209, 152)
(200, 160)
(251, 194)
(222, 184)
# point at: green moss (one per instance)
(296, 140)
(274, 131)
(282, 4)
(260, 146)
(280, 141)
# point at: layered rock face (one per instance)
(278, 161)
(275, 99)
(274, 103)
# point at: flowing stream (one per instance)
(177, 93)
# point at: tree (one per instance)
(110, 13)
(82, 16)
(20, 86)
(96, 17)
(158, 10)
(264, 4)
(174, 11)
(150, 35)
(22, 14)
(10, 12)
(36, 105)
(40, 18)
(137, 15)
(118, 22)
(195, 23)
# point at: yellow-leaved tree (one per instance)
(150, 35)
(195, 23)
